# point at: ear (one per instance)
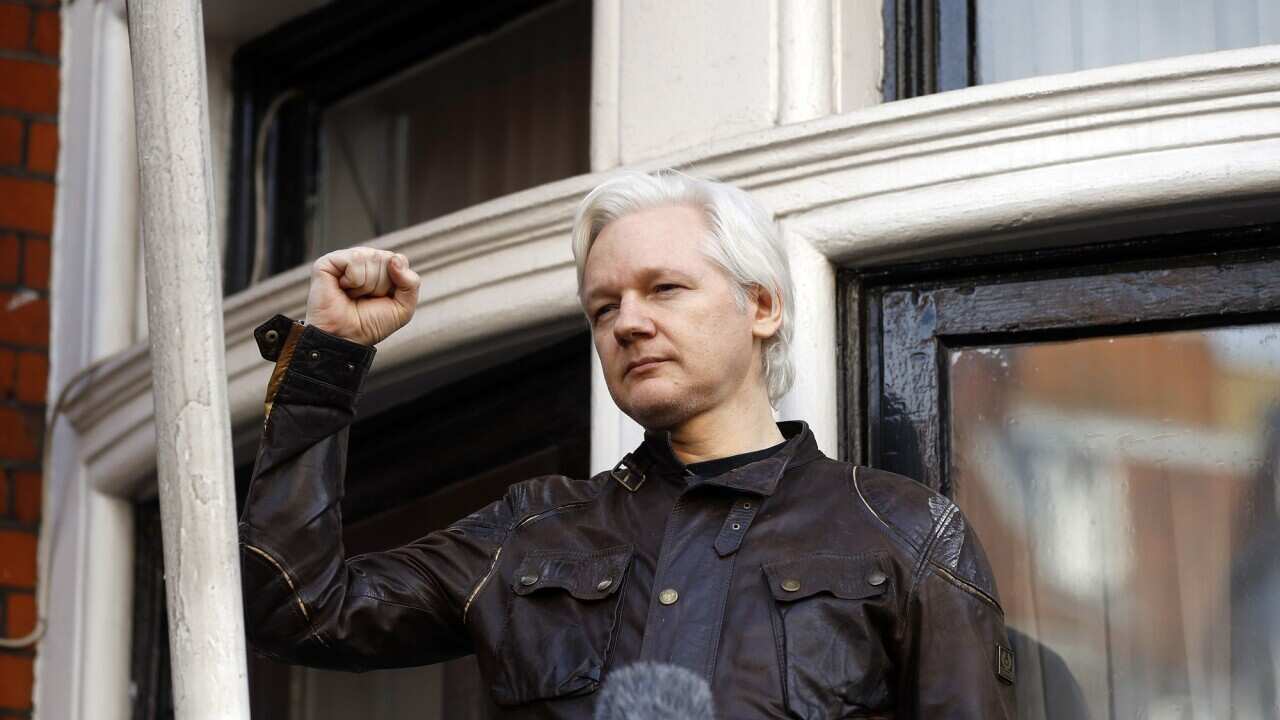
(766, 309)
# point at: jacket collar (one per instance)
(655, 456)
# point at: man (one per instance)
(728, 544)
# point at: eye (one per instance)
(666, 288)
(600, 311)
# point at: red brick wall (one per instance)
(29, 43)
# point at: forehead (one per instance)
(667, 238)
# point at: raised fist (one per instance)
(362, 294)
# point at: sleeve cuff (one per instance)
(331, 359)
(310, 351)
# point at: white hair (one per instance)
(743, 241)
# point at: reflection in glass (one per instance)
(506, 111)
(1026, 38)
(1125, 491)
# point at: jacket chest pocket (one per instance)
(828, 614)
(561, 622)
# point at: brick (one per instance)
(29, 86)
(28, 489)
(33, 372)
(35, 263)
(8, 373)
(47, 40)
(20, 617)
(24, 319)
(15, 21)
(28, 204)
(10, 140)
(17, 558)
(16, 681)
(42, 147)
(20, 436)
(8, 258)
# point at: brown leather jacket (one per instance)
(798, 586)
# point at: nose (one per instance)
(632, 322)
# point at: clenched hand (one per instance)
(362, 294)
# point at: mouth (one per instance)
(643, 364)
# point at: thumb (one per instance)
(406, 282)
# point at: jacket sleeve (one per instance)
(960, 663)
(304, 601)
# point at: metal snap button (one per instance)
(315, 355)
(877, 578)
(737, 526)
(604, 584)
(668, 597)
(528, 580)
(791, 585)
(746, 506)
(271, 336)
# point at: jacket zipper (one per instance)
(287, 579)
(498, 553)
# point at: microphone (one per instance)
(654, 691)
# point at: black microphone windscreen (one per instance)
(654, 691)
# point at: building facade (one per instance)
(1033, 244)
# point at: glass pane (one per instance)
(504, 112)
(1125, 491)
(1026, 38)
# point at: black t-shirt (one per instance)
(719, 466)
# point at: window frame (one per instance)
(897, 420)
(929, 47)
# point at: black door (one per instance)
(1109, 421)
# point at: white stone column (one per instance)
(184, 311)
(612, 433)
(814, 396)
(806, 60)
(606, 40)
(108, 520)
(83, 669)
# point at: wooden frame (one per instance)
(929, 47)
(912, 316)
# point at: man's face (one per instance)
(671, 337)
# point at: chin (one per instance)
(658, 410)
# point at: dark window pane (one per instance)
(502, 113)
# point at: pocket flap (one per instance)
(845, 576)
(587, 575)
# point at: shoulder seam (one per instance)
(966, 586)
(857, 487)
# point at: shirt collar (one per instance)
(655, 456)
